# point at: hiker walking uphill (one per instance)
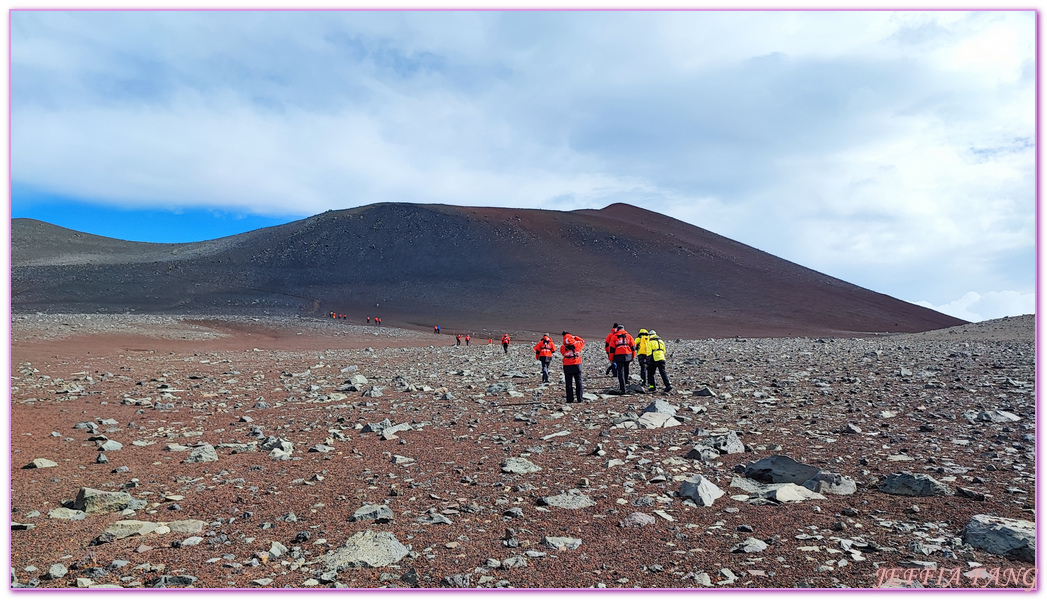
(572, 366)
(543, 352)
(505, 343)
(657, 348)
(467, 338)
(642, 354)
(458, 339)
(608, 347)
(623, 355)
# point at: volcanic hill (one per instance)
(464, 268)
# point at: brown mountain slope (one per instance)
(463, 268)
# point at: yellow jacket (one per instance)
(657, 347)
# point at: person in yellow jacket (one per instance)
(642, 354)
(656, 360)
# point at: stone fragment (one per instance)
(55, 571)
(780, 469)
(729, 443)
(202, 454)
(637, 519)
(122, 529)
(41, 463)
(656, 420)
(700, 489)
(93, 501)
(557, 543)
(749, 546)
(365, 549)
(906, 483)
(372, 512)
(67, 514)
(571, 500)
(998, 416)
(826, 482)
(519, 466)
(661, 406)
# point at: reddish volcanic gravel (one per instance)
(168, 380)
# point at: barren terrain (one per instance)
(293, 410)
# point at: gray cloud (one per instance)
(890, 149)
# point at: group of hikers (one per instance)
(646, 348)
(336, 315)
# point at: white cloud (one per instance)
(891, 149)
(989, 305)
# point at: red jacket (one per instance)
(623, 344)
(544, 348)
(572, 349)
(505, 339)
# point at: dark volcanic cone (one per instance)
(463, 268)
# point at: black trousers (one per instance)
(643, 361)
(505, 348)
(572, 375)
(621, 362)
(545, 360)
(660, 366)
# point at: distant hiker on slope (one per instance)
(458, 340)
(623, 355)
(657, 347)
(505, 343)
(467, 338)
(572, 366)
(543, 352)
(436, 329)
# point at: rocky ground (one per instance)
(225, 452)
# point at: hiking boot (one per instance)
(668, 389)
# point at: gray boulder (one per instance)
(661, 406)
(372, 512)
(56, 571)
(729, 443)
(998, 416)
(571, 500)
(67, 514)
(365, 549)
(637, 519)
(519, 466)
(201, 454)
(1014, 538)
(700, 489)
(909, 484)
(780, 469)
(831, 483)
(41, 463)
(93, 501)
(110, 446)
(378, 427)
(749, 546)
(567, 543)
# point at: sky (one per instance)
(893, 150)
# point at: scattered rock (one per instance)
(1014, 538)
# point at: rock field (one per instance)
(226, 452)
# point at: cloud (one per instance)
(973, 306)
(891, 149)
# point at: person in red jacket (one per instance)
(467, 338)
(543, 351)
(623, 345)
(458, 340)
(572, 366)
(505, 343)
(608, 347)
